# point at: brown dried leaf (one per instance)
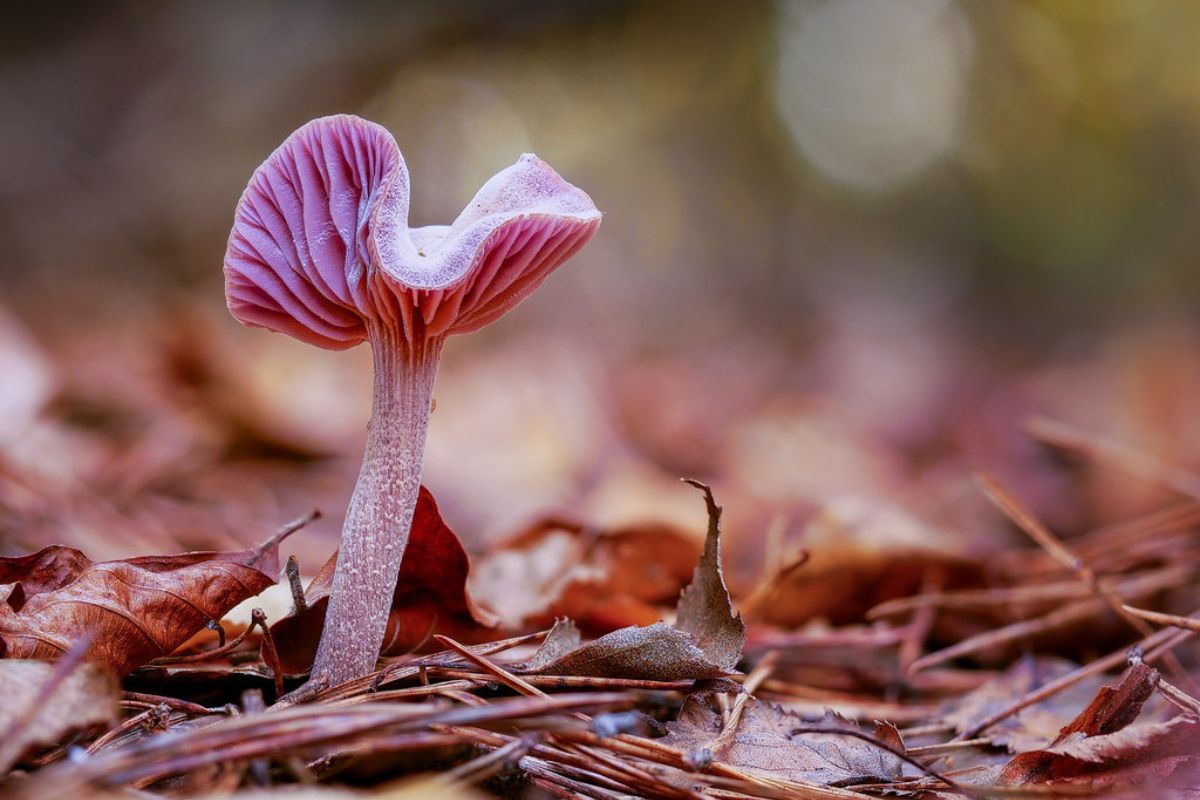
(1098, 737)
(196, 360)
(603, 580)
(1112, 709)
(764, 743)
(562, 639)
(862, 552)
(657, 652)
(47, 569)
(431, 596)
(706, 642)
(704, 609)
(138, 608)
(1132, 754)
(86, 697)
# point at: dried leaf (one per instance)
(431, 596)
(763, 742)
(138, 608)
(704, 609)
(657, 652)
(87, 697)
(562, 639)
(1099, 737)
(196, 358)
(603, 580)
(706, 642)
(1113, 709)
(47, 569)
(863, 552)
(1135, 753)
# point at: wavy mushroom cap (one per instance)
(321, 242)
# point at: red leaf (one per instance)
(431, 596)
(1101, 738)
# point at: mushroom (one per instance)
(321, 250)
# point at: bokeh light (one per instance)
(871, 90)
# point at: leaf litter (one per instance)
(955, 668)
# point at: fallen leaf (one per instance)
(86, 698)
(48, 569)
(1112, 709)
(431, 596)
(657, 652)
(603, 580)
(862, 553)
(1102, 737)
(705, 642)
(1131, 755)
(763, 743)
(704, 609)
(138, 608)
(196, 358)
(561, 640)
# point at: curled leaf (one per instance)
(705, 642)
(1114, 708)
(1131, 755)
(657, 652)
(704, 609)
(1102, 738)
(562, 639)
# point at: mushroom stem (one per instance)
(381, 511)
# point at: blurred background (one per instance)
(849, 248)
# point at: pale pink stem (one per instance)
(381, 510)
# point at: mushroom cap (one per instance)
(321, 243)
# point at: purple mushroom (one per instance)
(321, 249)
